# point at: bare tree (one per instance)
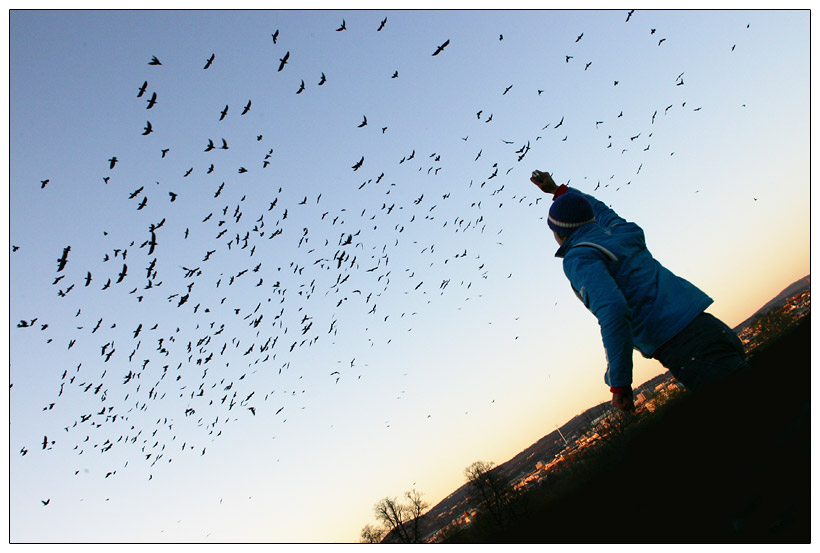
(372, 534)
(491, 491)
(402, 519)
(416, 508)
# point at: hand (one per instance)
(546, 184)
(623, 402)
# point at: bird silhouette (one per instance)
(283, 60)
(43, 183)
(275, 35)
(141, 89)
(323, 80)
(628, 15)
(507, 89)
(148, 128)
(579, 37)
(112, 162)
(247, 108)
(301, 88)
(64, 259)
(364, 122)
(209, 61)
(223, 113)
(395, 75)
(358, 164)
(442, 47)
(154, 61)
(381, 25)
(342, 27)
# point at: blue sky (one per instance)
(446, 334)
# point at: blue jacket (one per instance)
(637, 301)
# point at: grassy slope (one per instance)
(729, 466)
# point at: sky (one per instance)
(258, 343)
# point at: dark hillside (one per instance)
(729, 466)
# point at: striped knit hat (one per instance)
(568, 212)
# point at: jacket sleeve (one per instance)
(604, 215)
(588, 274)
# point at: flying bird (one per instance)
(301, 87)
(148, 128)
(275, 35)
(628, 15)
(395, 75)
(223, 113)
(154, 61)
(64, 259)
(247, 108)
(442, 47)
(569, 58)
(209, 61)
(364, 122)
(358, 164)
(343, 27)
(323, 80)
(507, 89)
(381, 25)
(112, 162)
(283, 61)
(142, 89)
(579, 37)
(43, 183)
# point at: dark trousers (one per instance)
(704, 352)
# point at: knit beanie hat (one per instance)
(568, 212)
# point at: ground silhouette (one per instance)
(730, 465)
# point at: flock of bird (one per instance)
(211, 364)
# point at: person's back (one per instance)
(660, 303)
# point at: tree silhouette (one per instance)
(402, 520)
(489, 489)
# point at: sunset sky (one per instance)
(294, 339)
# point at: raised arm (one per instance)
(604, 215)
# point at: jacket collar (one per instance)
(575, 236)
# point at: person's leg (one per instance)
(704, 352)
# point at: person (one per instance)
(638, 302)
